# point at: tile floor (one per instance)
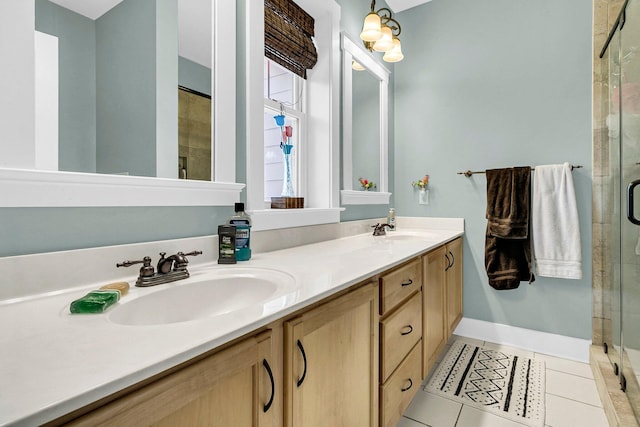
(571, 399)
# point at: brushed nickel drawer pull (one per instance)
(407, 332)
(407, 283)
(407, 388)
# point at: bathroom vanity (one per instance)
(347, 341)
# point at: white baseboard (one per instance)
(528, 339)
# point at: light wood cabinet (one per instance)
(353, 360)
(400, 340)
(434, 307)
(331, 363)
(442, 292)
(234, 387)
(454, 284)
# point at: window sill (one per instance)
(271, 219)
(351, 197)
(29, 188)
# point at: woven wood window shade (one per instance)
(287, 36)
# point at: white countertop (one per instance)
(52, 363)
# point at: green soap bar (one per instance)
(95, 301)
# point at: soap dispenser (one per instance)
(391, 219)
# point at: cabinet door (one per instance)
(454, 285)
(331, 363)
(230, 388)
(434, 307)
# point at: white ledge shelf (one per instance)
(352, 197)
(30, 188)
(271, 219)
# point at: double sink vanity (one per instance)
(339, 332)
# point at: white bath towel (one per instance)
(555, 226)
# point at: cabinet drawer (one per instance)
(399, 333)
(399, 284)
(397, 392)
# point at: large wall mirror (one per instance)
(124, 95)
(365, 125)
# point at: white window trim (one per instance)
(323, 175)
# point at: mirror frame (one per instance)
(354, 51)
(22, 187)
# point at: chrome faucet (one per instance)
(380, 230)
(169, 269)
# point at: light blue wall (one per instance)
(34, 230)
(77, 84)
(194, 76)
(488, 85)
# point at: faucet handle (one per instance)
(181, 260)
(178, 261)
(145, 271)
(192, 253)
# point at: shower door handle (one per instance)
(630, 216)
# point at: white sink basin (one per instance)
(218, 293)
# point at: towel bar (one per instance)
(469, 172)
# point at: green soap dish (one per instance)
(95, 301)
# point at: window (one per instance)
(318, 158)
(284, 94)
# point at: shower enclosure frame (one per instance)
(620, 109)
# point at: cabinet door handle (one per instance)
(273, 384)
(304, 359)
(410, 282)
(448, 262)
(407, 332)
(453, 259)
(407, 388)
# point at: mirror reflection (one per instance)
(194, 135)
(365, 126)
(119, 66)
(365, 143)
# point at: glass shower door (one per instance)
(629, 100)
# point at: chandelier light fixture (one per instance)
(380, 33)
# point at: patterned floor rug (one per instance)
(506, 385)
